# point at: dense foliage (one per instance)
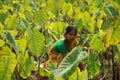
(29, 27)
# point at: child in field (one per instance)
(62, 47)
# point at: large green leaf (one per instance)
(22, 44)
(26, 64)
(1, 29)
(11, 22)
(23, 23)
(12, 41)
(79, 24)
(67, 9)
(2, 42)
(57, 28)
(7, 63)
(94, 66)
(3, 16)
(112, 36)
(70, 63)
(54, 8)
(106, 24)
(79, 75)
(29, 15)
(36, 42)
(40, 17)
(110, 10)
(97, 43)
(27, 67)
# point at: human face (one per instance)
(71, 35)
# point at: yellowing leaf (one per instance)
(27, 67)
(15, 1)
(112, 36)
(43, 5)
(99, 23)
(5, 9)
(40, 17)
(58, 27)
(7, 63)
(79, 75)
(77, 12)
(26, 7)
(22, 44)
(11, 22)
(22, 15)
(86, 16)
(1, 29)
(67, 8)
(91, 24)
(2, 43)
(13, 32)
(96, 43)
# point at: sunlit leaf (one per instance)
(36, 42)
(13, 32)
(112, 36)
(11, 22)
(44, 72)
(86, 17)
(7, 63)
(2, 43)
(1, 29)
(5, 9)
(57, 29)
(67, 8)
(27, 67)
(70, 63)
(26, 7)
(79, 75)
(77, 12)
(21, 15)
(26, 64)
(78, 24)
(94, 66)
(54, 7)
(40, 17)
(22, 44)
(91, 24)
(96, 43)
(99, 23)
(95, 5)
(21, 59)
(29, 15)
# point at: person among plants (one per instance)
(62, 47)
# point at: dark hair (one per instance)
(70, 28)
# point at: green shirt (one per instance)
(60, 47)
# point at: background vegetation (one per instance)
(29, 27)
